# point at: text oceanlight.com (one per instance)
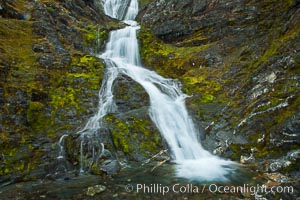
(212, 188)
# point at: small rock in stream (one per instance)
(91, 191)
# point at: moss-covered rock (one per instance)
(135, 134)
(49, 79)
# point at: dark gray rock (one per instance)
(171, 20)
(129, 95)
(288, 134)
(46, 60)
(41, 48)
(199, 6)
(110, 166)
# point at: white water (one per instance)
(61, 149)
(167, 109)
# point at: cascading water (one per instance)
(167, 109)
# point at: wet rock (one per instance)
(93, 190)
(138, 157)
(285, 163)
(77, 44)
(59, 168)
(278, 164)
(294, 155)
(129, 95)
(110, 166)
(262, 78)
(277, 177)
(247, 159)
(220, 151)
(103, 149)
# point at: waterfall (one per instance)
(167, 102)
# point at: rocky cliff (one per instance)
(238, 61)
(49, 76)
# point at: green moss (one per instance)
(167, 59)
(4, 136)
(207, 99)
(94, 33)
(16, 159)
(150, 137)
(276, 43)
(94, 37)
(69, 91)
(95, 169)
(57, 98)
(143, 3)
(135, 135)
(17, 39)
(120, 135)
(286, 113)
(35, 116)
(237, 151)
(36, 106)
(64, 98)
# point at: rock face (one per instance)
(239, 61)
(49, 76)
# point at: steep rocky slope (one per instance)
(239, 62)
(49, 78)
